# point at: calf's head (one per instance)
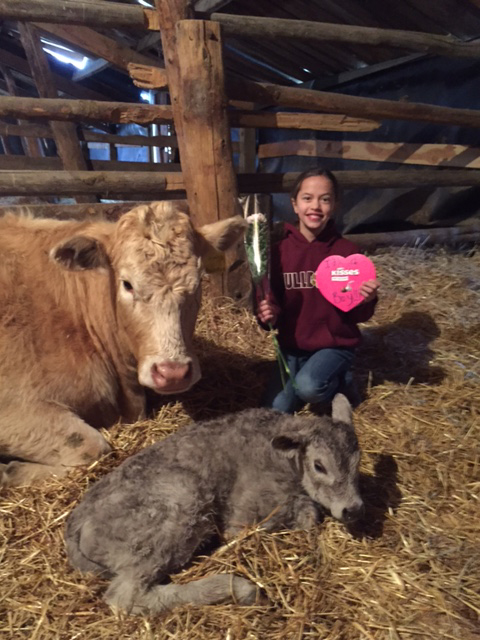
(154, 257)
(327, 457)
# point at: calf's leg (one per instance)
(125, 593)
(45, 439)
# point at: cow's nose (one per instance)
(171, 373)
(351, 514)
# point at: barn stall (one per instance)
(412, 570)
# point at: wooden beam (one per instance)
(26, 130)
(310, 121)
(418, 237)
(64, 133)
(123, 112)
(91, 14)
(90, 41)
(24, 163)
(316, 32)
(375, 179)
(85, 110)
(448, 155)
(353, 106)
(67, 183)
(29, 183)
(243, 105)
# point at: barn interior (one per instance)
(106, 104)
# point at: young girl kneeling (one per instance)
(317, 340)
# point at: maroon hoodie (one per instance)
(306, 320)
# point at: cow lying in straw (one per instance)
(147, 518)
(90, 314)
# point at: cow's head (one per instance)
(155, 256)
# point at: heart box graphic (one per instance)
(339, 279)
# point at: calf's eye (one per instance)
(319, 468)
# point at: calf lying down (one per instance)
(146, 519)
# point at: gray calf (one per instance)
(146, 519)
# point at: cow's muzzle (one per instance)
(171, 377)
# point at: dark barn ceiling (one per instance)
(286, 62)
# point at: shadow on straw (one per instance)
(381, 497)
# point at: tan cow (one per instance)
(90, 314)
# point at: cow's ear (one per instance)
(221, 235)
(287, 445)
(80, 253)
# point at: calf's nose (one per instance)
(351, 514)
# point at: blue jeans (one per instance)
(318, 376)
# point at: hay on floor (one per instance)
(412, 572)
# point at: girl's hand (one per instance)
(368, 290)
(266, 313)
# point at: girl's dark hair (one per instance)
(310, 173)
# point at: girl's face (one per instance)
(314, 205)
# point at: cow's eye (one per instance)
(127, 286)
(319, 468)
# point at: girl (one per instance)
(317, 339)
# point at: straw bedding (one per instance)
(412, 571)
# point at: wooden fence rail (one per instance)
(280, 96)
(309, 99)
(84, 110)
(65, 183)
(448, 155)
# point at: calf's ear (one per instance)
(287, 445)
(80, 253)
(341, 409)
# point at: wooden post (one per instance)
(205, 145)
(66, 139)
(193, 60)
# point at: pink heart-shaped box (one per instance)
(339, 279)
